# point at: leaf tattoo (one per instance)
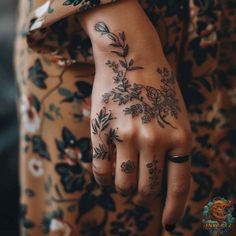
(148, 102)
(112, 136)
(102, 121)
(100, 124)
(100, 152)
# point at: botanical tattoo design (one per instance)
(127, 167)
(153, 174)
(148, 102)
(100, 125)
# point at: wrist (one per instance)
(121, 17)
(127, 46)
(113, 13)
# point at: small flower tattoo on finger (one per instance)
(127, 167)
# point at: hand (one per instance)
(138, 116)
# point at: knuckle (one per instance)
(150, 138)
(127, 134)
(182, 138)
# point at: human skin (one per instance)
(138, 115)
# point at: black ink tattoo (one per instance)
(100, 179)
(100, 125)
(153, 174)
(149, 102)
(100, 152)
(128, 167)
(112, 136)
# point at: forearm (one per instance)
(128, 17)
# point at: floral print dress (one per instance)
(54, 70)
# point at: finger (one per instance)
(150, 176)
(178, 184)
(102, 161)
(126, 168)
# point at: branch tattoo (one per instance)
(101, 127)
(148, 102)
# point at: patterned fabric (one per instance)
(58, 193)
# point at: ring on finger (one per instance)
(178, 158)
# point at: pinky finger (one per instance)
(178, 184)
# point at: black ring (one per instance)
(179, 159)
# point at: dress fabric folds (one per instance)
(55, 71)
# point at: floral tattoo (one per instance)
(101, 127)
(148, 102)
(153, 174)
(127, 167)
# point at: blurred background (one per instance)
(8, 123)
(9, 186)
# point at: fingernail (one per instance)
(170, 228)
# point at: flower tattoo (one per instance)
(128, 167)
(148, 102)
(100, 125)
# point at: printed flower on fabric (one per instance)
(58, 227)
(37, 75)
(72, 149)
(53, 221)
(89, 228)
(81, 96)
(24, 220)
(91, 198)
(72, 177)
(29, 109)
(39, 146)
(137, 215)
(86, 111)
(209, 36)
(36, 167)
(204, 44)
